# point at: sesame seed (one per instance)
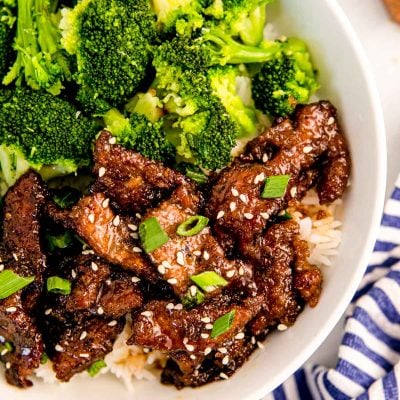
(196, 372)
(239, 336)
(135, 279)
(235, 192)
(192, 356)
(223, 350)
(73, 273)
(264, 215)
(180, 258)
(230, 273)
(4, 352)
(146, 350)
(102, 171)
(147, 314)
(293, 191)
(138, 216)
(166, 264)
(232, 206)
(282, 327)
(220, 214)
(179, 306)
(193, 290)
(84, 355)
(161, 269)
(172, 281)
(244, 198)
(87, 252)
(83, 335)
(137, 249)
(241, 271)
(206, 255)
(133, 227)
(11, 309)
(206, 320)
(108, 282)
(282, 213)
(307, 149)
(170, 306)
(8, 365)
(1, 267)
(260, 345)
(116, 220)
(58, 348)
(223, 376)
(209, 326)
(205, 335)
(15, 257)
(207, 350)
(185, 340)
(48, 311)
(100, 311)
(94, 266)
(331, 121)
(105, 203)
(253, 340)
(225, 360)
(112, 323)
(197, 253)
(189, 347)
(265, 157)
(112, 140)
(259, 178)
(134, 235)
(248, 215)
(91, 218)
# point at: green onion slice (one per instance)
(208, 281)
(198, 177)
(286, 216)
(223, 324)
(44, 358)
(10, 282)
(55, 284)
(275, 186)
(95, 368)
(189, 300)
(6, 346)
(152, 235)
(192, 226)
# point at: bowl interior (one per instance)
(347, 83)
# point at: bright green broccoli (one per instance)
(224, 86)
(40, 60)
(286, 81)
(112, 42)
(43, 132)
(7, 31)
(139, 133)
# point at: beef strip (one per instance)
(131, 181)
(81, 345)
(313, 141)
(21, 253)
(184, 256)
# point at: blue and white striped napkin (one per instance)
(368, 364)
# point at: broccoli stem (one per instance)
(252, 30)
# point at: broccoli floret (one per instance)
(7, 32)
(223, 84)
(286, 81)
(43, 132)
(112, 42)
(40, 60)
(138, 133)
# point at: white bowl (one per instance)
(347, 82)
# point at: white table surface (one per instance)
(381, 40)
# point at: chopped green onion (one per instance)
(6, 346)
(275, 186)
(192, 226)
(10, 283)
(95, 368)
(208, 280)
(55, 284)
(223, 324)
(61, 241)
(189, 300)
(152, 235)
(286, 216)
(198, 177)
(44, 358)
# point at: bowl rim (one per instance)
(375, 212)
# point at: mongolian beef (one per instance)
(203, 272)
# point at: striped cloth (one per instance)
(368, 364)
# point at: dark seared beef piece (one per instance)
(83, 344)
(312, 139)
(112, 236)
(21, 252)
(184, 256)
(132, 182)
